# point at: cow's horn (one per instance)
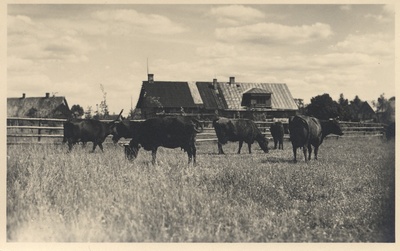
(119, 115)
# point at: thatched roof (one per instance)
(44, 107)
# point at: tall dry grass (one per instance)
(345, 196)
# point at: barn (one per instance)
(364, 112)
(38, 107)
(206, 99)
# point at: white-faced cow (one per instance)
(169, 132)
(277, 132)
(88, 130)
(242, 130)
(308, 131)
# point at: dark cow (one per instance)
(277, 132)
(169, 132)
(306, 131)
(391, 131)
(242, 130)
(88, 130)
(123, 129)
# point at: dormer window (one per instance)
(256, 98)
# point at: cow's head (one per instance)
(263, 142)
(132, 150)
(334, 127)
(113, 127)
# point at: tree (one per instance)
(385, 109)
(77, 111)
(88, 113)
(104, 113)
(344, 109)
(32, 112)
(323, 107)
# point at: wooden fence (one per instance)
(44, 130)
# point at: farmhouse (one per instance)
(206, 99)
(38, 107)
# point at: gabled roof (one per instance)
(212, 99)
(281, 98)
(46, 107)
(168, 93)
(256, 91)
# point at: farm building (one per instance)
(364, 113)
(205, 99)
(38, 107)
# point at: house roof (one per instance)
(256, 91)
(223, 95)
(212, 99)
(45, 106)
(168, 93)
(281, 98)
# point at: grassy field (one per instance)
(345, 196)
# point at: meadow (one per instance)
(347, 195)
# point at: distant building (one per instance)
(364, 113)
(207, 99)
(38, 107)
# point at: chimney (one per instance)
(214, 84)
(23, 95)
(150, 78)
(231, 80)
(47, 94)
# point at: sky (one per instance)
(72, 50)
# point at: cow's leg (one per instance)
(305, 152)
(281, 144)
(94, 146)
(275, 143)
(194, 153)
(101, 147)
(70, 145)
(153, 156)
(316, 152)
(294, 153)
(249, 144)
(240, 146)
(309, 151)
(220, 151)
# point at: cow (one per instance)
(390, 131)
(88, 130)
(242, 130)
(169, 132)
(308, 131)
(123, 129)
(277, 132)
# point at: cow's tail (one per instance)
(198, 126)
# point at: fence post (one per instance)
(39, 130)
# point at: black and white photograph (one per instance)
(215, 122)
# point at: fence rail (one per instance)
(44, 130)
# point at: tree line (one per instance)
(324, 107)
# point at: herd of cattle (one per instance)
(180, 131)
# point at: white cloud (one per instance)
(378, 18)
(28, 39)
(126, 21)
(372, 44)
(271, 33)
(236, 14)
